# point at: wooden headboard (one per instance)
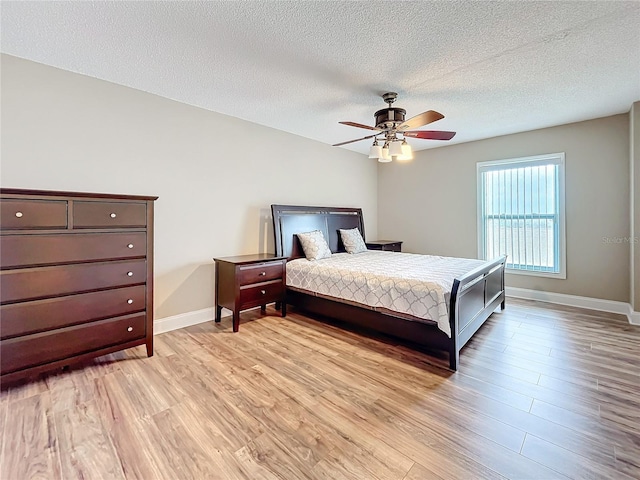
(288, 220)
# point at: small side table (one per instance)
(248, 281)
(388, 245)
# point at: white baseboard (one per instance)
(182, 320)
(633, 316)
(576, 301)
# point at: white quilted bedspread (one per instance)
(417, 285)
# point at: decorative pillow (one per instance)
(353, 241)
(314, 245)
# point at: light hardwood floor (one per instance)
(542, 392)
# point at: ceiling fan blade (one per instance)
(356, 140)
(359, 125)
(419, 120)
(430, 134)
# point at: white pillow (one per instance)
(353, 241)
(314, 245)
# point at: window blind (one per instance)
(521, 213)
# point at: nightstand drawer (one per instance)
(260, 273)
(261, 293)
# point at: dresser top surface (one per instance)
(53, 193)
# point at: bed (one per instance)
(476, 290)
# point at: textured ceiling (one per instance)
(491, 68)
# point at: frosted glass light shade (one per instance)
(385, 157)
(395, 148)
(375, 151)
(384, 160)
(407, 153)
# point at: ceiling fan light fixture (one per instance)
(376, 150)
(395, 148)
(407, 153)
(385, 157)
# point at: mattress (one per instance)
(418, 286)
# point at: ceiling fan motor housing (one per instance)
(390, 117)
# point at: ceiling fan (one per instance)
(394, 129)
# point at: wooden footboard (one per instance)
(474, 297)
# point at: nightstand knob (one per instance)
(19, 214)
(130, 245)
(113, 215)
(262, 274)
(129, 274)
(130, 329)
(130, 301)
(264, 292)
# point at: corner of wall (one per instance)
(631, 211)
(634, 207)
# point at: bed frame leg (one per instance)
(502, 305)
(454, 356)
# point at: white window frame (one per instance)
(551, 158)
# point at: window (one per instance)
(521, 214)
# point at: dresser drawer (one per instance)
(41, 282)
(37, 316)
(25, 250)
(40, 348)
(32, 214)
(260, 273)
(260, 294)
(109, 214)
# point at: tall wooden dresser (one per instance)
(76, 278)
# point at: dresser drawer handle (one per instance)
(19, 214)
(263, 292)
(262, 274)
(130, 301)
(130, 274)
(113, 215)
(130, 329)
(130, 245)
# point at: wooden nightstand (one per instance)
(388, 245)
(248, 281)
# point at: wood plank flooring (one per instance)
(543, 392)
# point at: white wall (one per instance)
(216, 176)
(431, 202)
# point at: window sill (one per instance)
(533, 273)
